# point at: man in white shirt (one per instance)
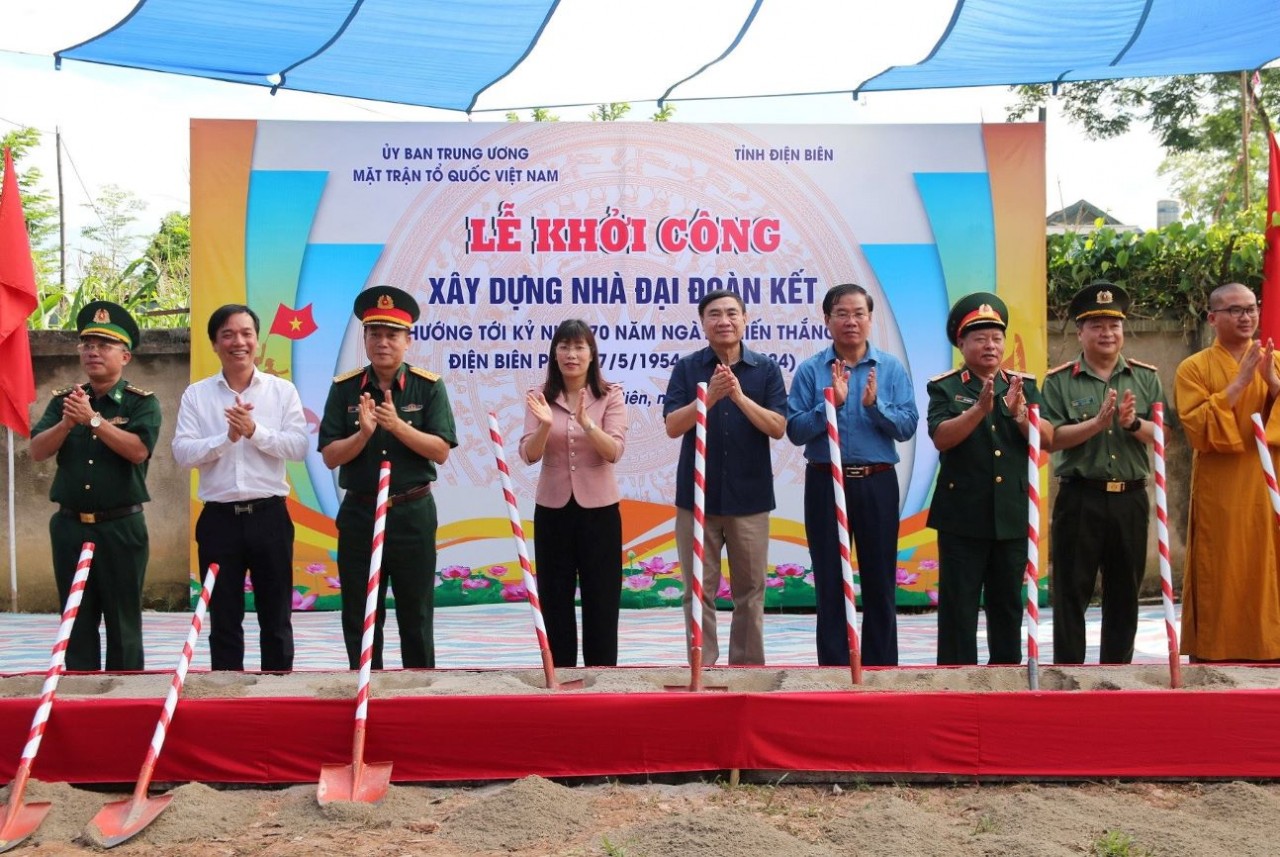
(238, 428)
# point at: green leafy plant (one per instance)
(1168, 272)
(1117, 843)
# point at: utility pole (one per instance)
(62, 221)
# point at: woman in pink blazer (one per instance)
(576, 425)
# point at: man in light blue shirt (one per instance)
(875, 410)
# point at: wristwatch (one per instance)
(1135, 425)
(95, 421)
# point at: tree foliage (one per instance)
(1168, 272)
(1197, 119)
(39, 208)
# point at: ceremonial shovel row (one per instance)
(365, 782)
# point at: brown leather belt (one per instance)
(100, 517)
(244, 507)
(415, 493)
(855, 471)
(1114, 487)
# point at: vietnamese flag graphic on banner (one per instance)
(1269, 324)
(17, 302)
(294, 323)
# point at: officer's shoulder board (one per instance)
(937, 378)
(1056, 369)
(1026, 376)
(138, 391)
(62, 391)
(423, 373)
(347, 376)
(1143, 364)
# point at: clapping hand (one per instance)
(537, 405)
(76, 407)
(240, 420)
(840, 381)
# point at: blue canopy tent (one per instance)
(507, 54)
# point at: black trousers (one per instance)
(974, 571)
(408, 565)
(1095, 530)
(259, 543)
(579, 548)
(872, 504)
(112, 594)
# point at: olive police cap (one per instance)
(1100, 300)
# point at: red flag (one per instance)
(294, 323)
(17, 302)
(1269, 324)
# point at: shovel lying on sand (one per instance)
(362, 782)
(522, 551)
(122, 820)
(21, 820)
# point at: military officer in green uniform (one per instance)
(978, 421)
(1101, 407)
(388, 410)
(102, 433)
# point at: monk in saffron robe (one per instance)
(1231, 580)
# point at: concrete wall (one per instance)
(163, 365)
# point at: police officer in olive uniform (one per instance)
(1101, 407)
(978, 421)
(102, 433)
(395, 412)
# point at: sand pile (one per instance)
(427, 683)
(529, 812)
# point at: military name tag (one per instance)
(965, 400)
(1079, 403)
(351, 409)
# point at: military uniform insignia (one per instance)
(946, 374)
(1104, 297)
(102, 316)
(62, 391)
(1060, 368)
(385, 302)
(1026, 376)
(138, 391)
(408, 409)
(423, 373)
(1080, 403)
(965, 400)
(347, 376)
(1143, 364)
(118, 421)
(351, 409)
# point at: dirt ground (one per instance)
(534, 816)
(783, 815)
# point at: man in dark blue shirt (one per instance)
(875, 409)
(746, 406)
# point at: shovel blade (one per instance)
(359, 782)
(23, 823)
(124, 819)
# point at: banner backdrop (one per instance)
(501, 231)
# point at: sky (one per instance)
(130, 128)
